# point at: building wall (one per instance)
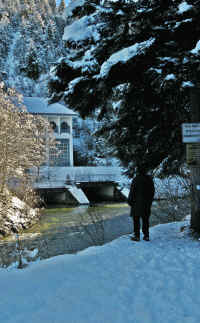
(62, 126)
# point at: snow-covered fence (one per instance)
(61, 176)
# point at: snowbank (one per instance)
(121, 282)
(19, 216)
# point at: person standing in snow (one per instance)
(140, 199)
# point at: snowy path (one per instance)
(120, 282)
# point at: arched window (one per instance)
(64, 128)
(54, 126)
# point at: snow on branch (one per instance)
(187, 84)
(196, 50)
(81, 30)
(124, 55)
(183, 7)
(169, 77)
(73, 4)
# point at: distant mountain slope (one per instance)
(31, 41)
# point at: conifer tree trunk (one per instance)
(195, 170)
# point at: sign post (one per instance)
(195, 169)
(191, 136)
(191, 132)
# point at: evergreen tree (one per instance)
(133, 63)
(89, 150)
(31, 42)
(32, 68)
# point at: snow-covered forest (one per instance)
(131, 69)
(129, 66)
(31, 41)
(137, 61)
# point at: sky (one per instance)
(122, 281)
(58, 1)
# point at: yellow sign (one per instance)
(193, 154)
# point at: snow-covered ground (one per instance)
(120, 282)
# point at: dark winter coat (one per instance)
(141, 195)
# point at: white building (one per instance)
(60, 118)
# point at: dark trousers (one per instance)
(141, 213)
(145, 225)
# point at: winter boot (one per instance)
(135, 238)
(146, 238)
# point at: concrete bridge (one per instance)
(81, 185)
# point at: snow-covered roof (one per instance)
(37, 105)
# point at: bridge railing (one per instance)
(73, 175)
(92, 178)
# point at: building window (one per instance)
(54, 126)
(64, 128)
(76, 128)
(61, 156)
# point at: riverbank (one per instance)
(120, 282)
(16, 215)
(63, 230)
(76, 230)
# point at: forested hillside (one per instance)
(31, 41)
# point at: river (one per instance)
(71, 229)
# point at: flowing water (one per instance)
(66, 230)
(55, 220)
